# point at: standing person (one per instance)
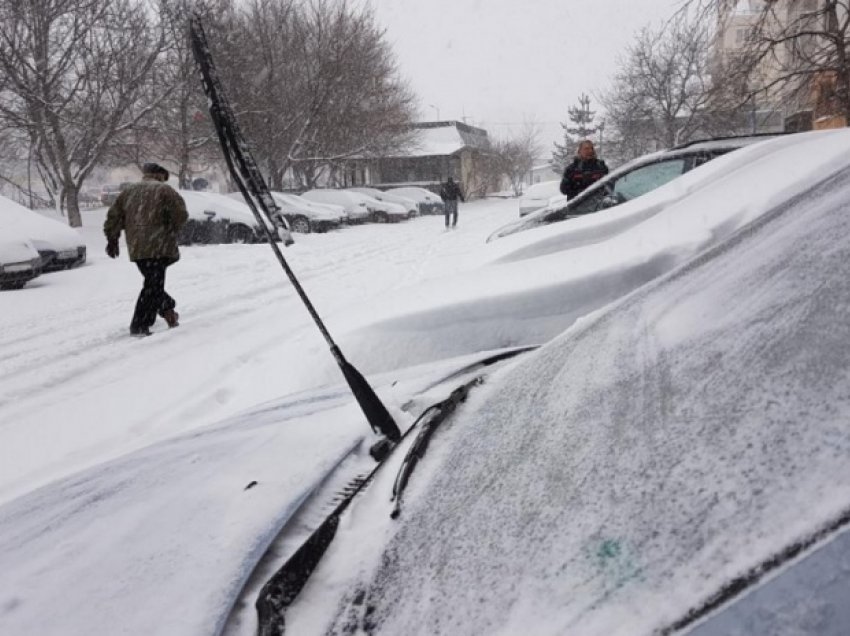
(151, 213)
(585, 170)
(450, 193)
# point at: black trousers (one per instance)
(153, 298)
(451, 210)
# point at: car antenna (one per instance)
(251, 184)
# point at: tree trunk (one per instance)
(72, 201)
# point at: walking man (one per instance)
(450, 193)
(151, 213)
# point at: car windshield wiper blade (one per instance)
(430, 420)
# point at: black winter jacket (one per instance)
(580, 174)
(451, 192)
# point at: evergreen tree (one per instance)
(581, 118)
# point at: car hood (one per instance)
(50, 234)
(16, 250)
(633, 468)
(163, 539)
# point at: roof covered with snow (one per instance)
(443, 138)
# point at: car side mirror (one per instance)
(609, 202)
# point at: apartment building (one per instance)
(801, 104)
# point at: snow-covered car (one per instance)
(659, 468)
(429, 203)
(407, 203)
(60, 246)
(630, 181)
(538, 196)
(381, 211)
(306, 216)
(354, 205)
(20, 262)
(218, 218)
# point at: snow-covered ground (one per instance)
(122, 481)
(75, 389)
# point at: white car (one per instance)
(60, 246)
(353, 203)
(381, 211)
(538, 196)
(218, 218)
(407, 203)
(306, 216)
(429, 203)
(20, 262)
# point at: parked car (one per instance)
(675, 463)
(217, 218)
(19, 260)
(381, 211)
(630, 181)
(306, 216)
(60, 246)
(429, 203)
(354, 205)
(538, 196)
(407, 203)
(110, 191)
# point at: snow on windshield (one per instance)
(628, 470)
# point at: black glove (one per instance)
(112, 248)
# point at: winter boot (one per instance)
(140, 332)
(170, 316)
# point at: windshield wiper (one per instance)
(430, 420)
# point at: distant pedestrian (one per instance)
(151, 213)
(450, 193)
(584, 170)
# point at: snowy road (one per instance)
(76, 390)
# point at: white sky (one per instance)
(502, 62)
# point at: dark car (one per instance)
(19, 261)
(634, 179)
(59, 246)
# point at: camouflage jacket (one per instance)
(151, 213)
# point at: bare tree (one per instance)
(663, 92)
(72, 72)
(795, 52)
(515, 155)
(319, 86)
(177, 131)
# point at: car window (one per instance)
(647, 178)
(629, 186)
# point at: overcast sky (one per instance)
(500, 62)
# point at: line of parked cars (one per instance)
(31, 244)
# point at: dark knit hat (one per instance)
(154, 169)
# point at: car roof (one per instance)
(728, 141)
